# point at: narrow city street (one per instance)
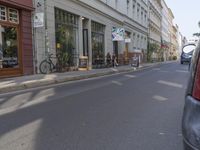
(129, 111)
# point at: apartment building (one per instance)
(172, 35)
(174, 51)
(155, 21)
(165, 29)
(91, 28)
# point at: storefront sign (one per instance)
(118, 34)
(83, 63)
(39, 20)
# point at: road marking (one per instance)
(161, 133)
(156, 69)
(117, 83)
(113, 69)
(164, 71)
(159, 98)
(129, 76)
(180, 135)
(170, 84)
(181, 71)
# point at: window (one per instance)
(138, 10)
(128, 5)
(13, 15)
(138, 40)
(9, 14)
(67, 35)
(98, 48)
(116, 4)
(9, 57)
(3, 15)
(134, 41)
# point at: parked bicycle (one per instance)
(47, 65)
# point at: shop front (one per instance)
(16, 56)
(67, 39)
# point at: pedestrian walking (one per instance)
(114, 60)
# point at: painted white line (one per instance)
(180, 135)
(159, 98)
(164, 71)
(113, 69)
(161, 133)
(170, 84)
(156, 69)
(181, 71)
(129, 76)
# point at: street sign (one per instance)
(39, 20)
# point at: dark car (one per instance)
(187, 53)
(191, 115)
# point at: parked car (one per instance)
(187, 53)
(191, 114)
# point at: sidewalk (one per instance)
(25, 82)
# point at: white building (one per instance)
(165, 24)
(155, 18)
(85, 28)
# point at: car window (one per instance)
(189, 48)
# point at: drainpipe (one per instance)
(46, 29)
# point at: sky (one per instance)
(187, 15)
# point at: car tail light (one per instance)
(196, 87)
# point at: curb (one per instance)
(45, 82)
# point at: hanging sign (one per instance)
(118, 34)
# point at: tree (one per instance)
(152, 47)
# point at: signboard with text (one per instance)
(118, 34)
(39, 20)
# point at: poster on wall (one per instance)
(39, 20)
(118, 34)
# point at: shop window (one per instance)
(3, 15)
(67, 36)
(98, 52)
(8, 47)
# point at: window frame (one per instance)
(5, 14)
(7, 20)
(8, 15)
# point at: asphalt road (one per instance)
(131, 111)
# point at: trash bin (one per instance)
(135, 62)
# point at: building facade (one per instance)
(155, 22)
(171, 30)
(175, 46)
(88, 28)
(16, 52)
(165, 30)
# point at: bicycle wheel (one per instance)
(45, 67)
